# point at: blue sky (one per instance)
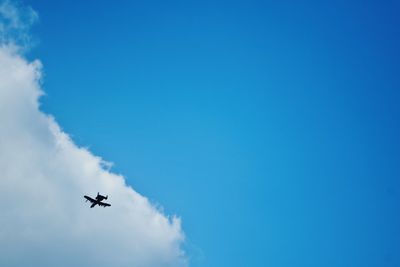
(271, 128)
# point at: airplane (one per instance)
(97, 201)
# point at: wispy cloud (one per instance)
(15, 23)
(44, 175)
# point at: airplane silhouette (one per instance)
(97, 201)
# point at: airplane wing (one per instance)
(104, 204)
(89, 198)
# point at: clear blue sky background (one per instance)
(271, 128)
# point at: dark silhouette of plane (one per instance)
(97, 201)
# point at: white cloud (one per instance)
(44, 175)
